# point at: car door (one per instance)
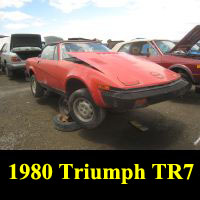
(146, 50)
(47, 65)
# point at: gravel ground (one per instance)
(26, 123)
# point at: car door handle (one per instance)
(38, 61)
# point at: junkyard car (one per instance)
(17, 49)
(93, 79)
(178, 57)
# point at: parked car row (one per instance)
(93, 78)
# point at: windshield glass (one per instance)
(165, 46)
(84, 47)
(195, 48)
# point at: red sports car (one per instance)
(183, 57)
(94, 79)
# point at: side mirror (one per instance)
(39, 56)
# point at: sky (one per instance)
(102, 19)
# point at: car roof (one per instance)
(119, 45)
(75, 41)
(144, 40)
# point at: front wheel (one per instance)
(36, 88)
(84, 111)
(186, 77)
(9, 73)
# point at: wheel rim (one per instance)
(83, 109)
(33, 86)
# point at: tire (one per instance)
(36, 88)
(186, 77)
(9, 73)
(84, 111)
(65, 126)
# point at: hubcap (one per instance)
(83, 109)
(33, 86)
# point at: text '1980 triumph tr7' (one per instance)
(94, 79)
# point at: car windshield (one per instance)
(195, 48)
(84, 47)
(165, 46)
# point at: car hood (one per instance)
(127, 69)
(188, 41)
(52, 39)
(25, 40)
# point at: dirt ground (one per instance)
(26, 123)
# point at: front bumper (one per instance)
(16, 66)
(128, 99)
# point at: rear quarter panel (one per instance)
(31, 66)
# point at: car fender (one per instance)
(94, 91)
(183, 67)
(30, 68)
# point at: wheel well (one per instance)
(73, 85)
(181, 70)
(31, 73)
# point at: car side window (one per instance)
(125, 48)
(56, 53)
(64, 51)
(143, 49)
(147, 48)
(48, 52)
(4, 48)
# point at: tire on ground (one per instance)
(185, 76)
(9, 73)
(98, 112)
(65, 126)
(36, 89)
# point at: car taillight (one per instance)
(15, 59)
